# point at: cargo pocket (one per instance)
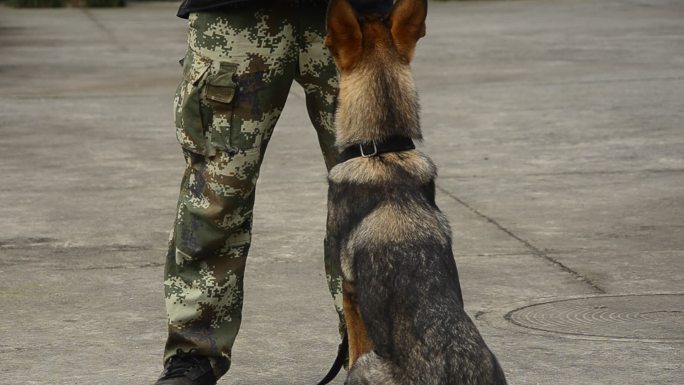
(219, 93)
(189, 117)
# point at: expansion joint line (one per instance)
(106, 31)
(535, 250)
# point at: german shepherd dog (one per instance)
(402, 299)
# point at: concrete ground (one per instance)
(558, 128)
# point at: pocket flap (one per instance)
(221, 86)
(220, 94)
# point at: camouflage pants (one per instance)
(237, 73)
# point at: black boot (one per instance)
(187, 369)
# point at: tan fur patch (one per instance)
(390, 223)
(346, 264)
(361, 115)
(382, 169)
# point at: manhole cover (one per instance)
(654, 316)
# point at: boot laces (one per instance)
(182, 362)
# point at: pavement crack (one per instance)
(60, 247)
(115, 267)
(535, 250)
(81, 96)
(104, 29)
(674, 78)
(577, 172)
(25, 242)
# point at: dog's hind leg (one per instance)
(359, 343)
(370, 369)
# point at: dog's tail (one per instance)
(370, 369)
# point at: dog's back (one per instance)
(393, 243)
(398, 247)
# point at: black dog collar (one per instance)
(373, 148)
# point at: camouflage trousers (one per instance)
(237, 73)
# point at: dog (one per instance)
(403, 306)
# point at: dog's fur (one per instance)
(402, 298)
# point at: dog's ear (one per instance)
(407, 23)
(344, 33)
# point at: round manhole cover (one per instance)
(653, 316)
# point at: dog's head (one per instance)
(353, 39)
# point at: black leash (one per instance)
(369, 149)
(342, 353)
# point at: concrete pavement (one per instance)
(557, 126)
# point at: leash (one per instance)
(342, 352)
(373, 148)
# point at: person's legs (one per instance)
(318, 76)
(237, 75)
